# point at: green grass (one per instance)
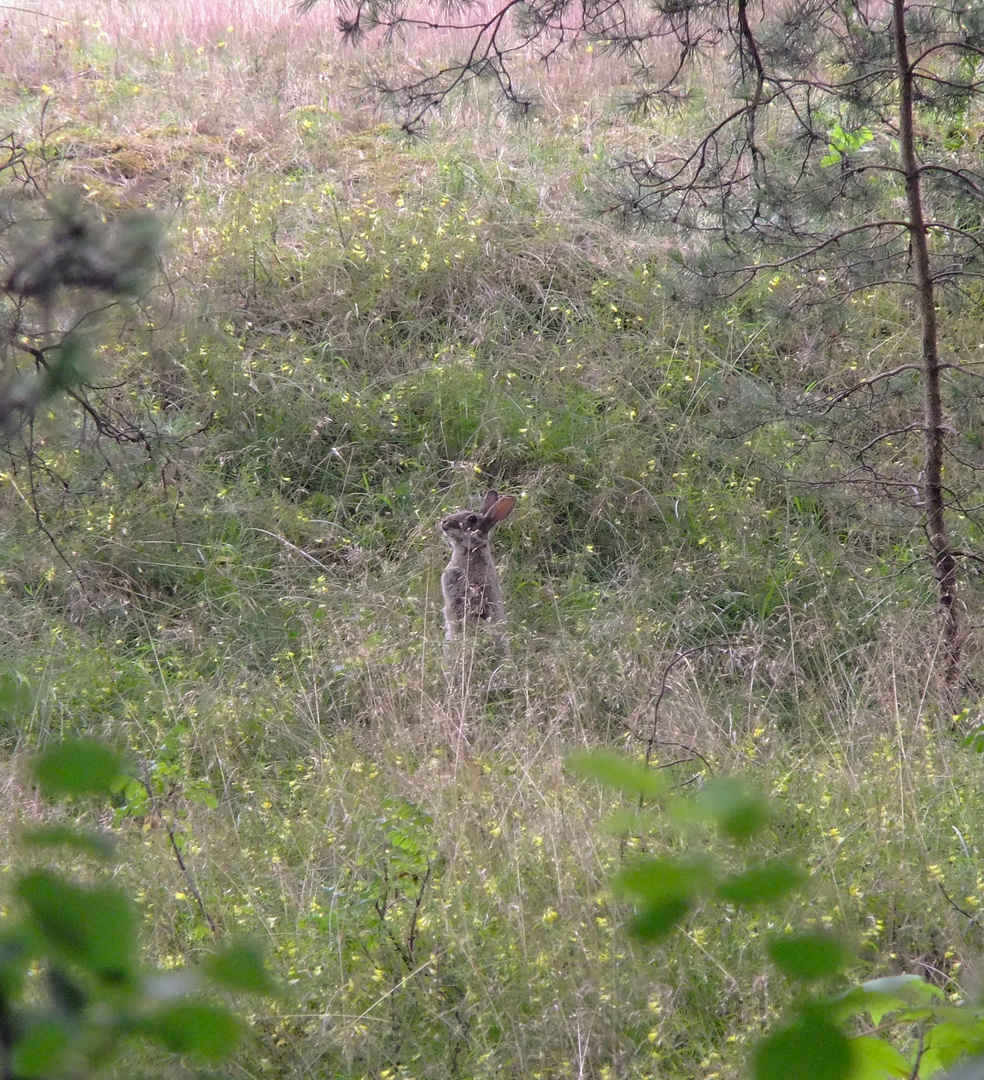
(357, 335)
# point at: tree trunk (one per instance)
(934, 428)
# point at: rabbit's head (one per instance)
(469, 530)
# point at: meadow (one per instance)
(353, 334)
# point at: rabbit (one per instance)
(472, 593)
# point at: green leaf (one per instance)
(79, 767)
(649, 880)
(663, 891)
(809, 956)
(657, 921)
(206, 1031)
(239, 967)
(811, 1047)
(950, 1042)
(841, 139)
(67, 992)
(761, 884)
(734, 806)
(67, 368)
(975, 740)
(17, 952)
(89, 842)
(632, 778)
(910, 989)
(41, 1050)
(878, 997)
(876, 1059)
(94, 927)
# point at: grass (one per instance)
(355, 336)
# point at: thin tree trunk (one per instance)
(934, 428)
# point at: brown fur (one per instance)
(470, 584)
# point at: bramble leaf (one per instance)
(239, 967)
(876, 1059)
(79, 767)
(95, 927)
(811, 1047)
(809, 956)
(762, 884)
(632, 778)
(206, 1031)
(734, 807)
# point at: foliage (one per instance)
(77, 252)
(73, 990)
(356, 335)
(816, 171)
(811, 1043)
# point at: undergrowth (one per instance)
(356, 336)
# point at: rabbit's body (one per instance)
(470, 584)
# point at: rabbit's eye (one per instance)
(472, 519)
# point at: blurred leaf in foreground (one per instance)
(78, 767)
(663, 892)
(762, 884)
(809, 956)
(92, 926)
(632, 778)
(810, 1047)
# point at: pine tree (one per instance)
(844, 155)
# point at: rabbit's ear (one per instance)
(502, 509)
(490, 500)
